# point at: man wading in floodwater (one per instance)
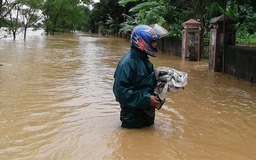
(135, 79)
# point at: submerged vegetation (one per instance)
(116, 17)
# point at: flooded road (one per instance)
(56, 103)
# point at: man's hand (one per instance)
(153, 101)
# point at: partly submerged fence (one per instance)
(239, 61)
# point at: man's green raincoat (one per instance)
(134, 84)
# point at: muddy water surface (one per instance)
(56, 102)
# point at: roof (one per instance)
(223, 18)
(191, 22)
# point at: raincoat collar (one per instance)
(139, 53)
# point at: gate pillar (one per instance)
(191, 40)
(222, 27)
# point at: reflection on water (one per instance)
(57, 103)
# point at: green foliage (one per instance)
(144, 13)
(144, 6)
(128, 25)
(63, 15)
(231, 10)
(246, 39)
(175, 30)
(214, 9)
(246, 20)
(99, 13)
(113, 25)
(85, 24)
(124, 2)
(117, 16)
(30, 13)
(86, 1)
(243, 37)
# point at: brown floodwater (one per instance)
(56, 103)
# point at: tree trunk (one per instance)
(14, 35)
(1, 5)
(25, 32)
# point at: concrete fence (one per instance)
(239, 61)
(170, 45)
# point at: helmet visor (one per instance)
(160, 31)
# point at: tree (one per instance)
(99, 14)
(30, 14)
(5, 8)
(62, 15)
(13, 23)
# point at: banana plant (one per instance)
(128, 25)
(143, 13)
(231, 10)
